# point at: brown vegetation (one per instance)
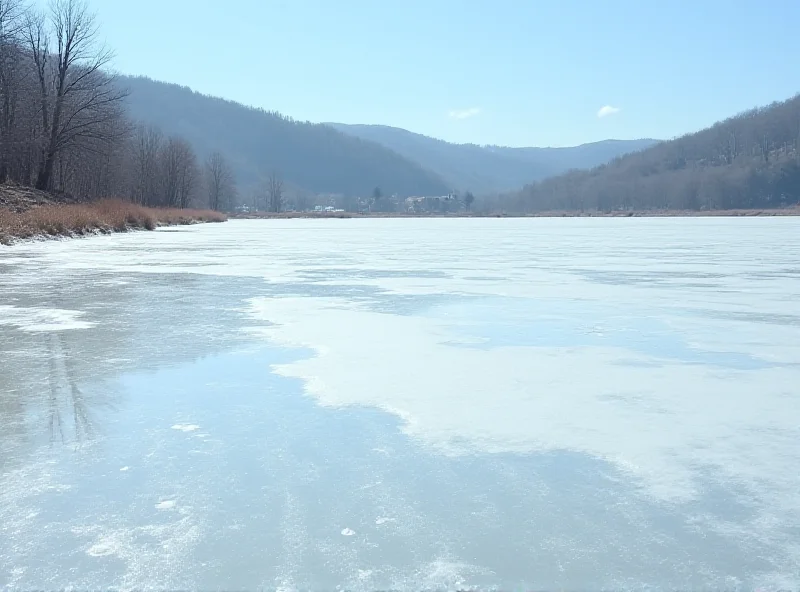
(110, 215)
(19, 198)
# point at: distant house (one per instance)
(435, 203)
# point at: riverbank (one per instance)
(795, 211)
(54, 220)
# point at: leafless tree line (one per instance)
(270, 196)
(63, 125)
(166, 172)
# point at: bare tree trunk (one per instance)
(220, 183)
(147, 148)
(275, 191)
(11, 25)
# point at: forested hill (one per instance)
(314, 157)
(487, 169)
(751, 160)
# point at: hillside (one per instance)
(314, 157)
(751, 160)
(486, 169)
(584, 156)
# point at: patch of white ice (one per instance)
(42, 320)
(663, 423)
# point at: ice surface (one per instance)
(398, 404)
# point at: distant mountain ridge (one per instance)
(486, 169)
(348, 159)
(314, 157)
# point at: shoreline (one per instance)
(794, 211)
(59, 221)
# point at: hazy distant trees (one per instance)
(469, 199)
(301, 200)
(377, 196)
(220, 183)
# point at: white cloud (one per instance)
(464, 113)
(607, 110)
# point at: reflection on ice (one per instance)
(66, 403)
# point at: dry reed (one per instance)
(110, 215)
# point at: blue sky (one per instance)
(511, 72)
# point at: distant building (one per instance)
(435, 203)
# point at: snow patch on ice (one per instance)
(42, 320)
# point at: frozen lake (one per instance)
(404, 404)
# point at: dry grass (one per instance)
(111, 215)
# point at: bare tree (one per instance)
(275, 191)
(178, 168)
(77, 95)
(148, 140)
(11, 24)
(187, 173)
(220, 183)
